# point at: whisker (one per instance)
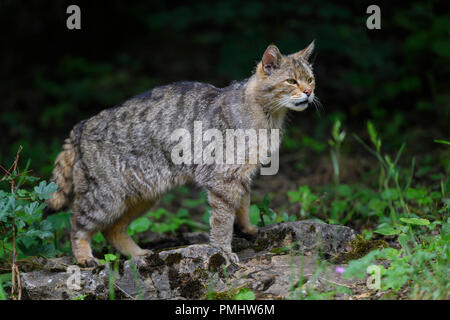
(317, 104)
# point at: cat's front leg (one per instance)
(224, 199)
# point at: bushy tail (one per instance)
(62, 176)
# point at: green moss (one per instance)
(223, 295)
(279, 250)
(261, 244)
(215, 261)
(190, 287)
(173, 258)
(154, 261)
(174, 278)
(201, 273)
(359, 248)
(240, 244)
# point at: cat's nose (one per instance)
(307, 92)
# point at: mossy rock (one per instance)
(216, 261)
(359, 248)
(173, 258)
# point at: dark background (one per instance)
(52, 77)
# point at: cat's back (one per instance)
(156, 112)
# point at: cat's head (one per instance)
(285, 81)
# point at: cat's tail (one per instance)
(62, 176)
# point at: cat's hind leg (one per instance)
(243, 216)
(116, 233)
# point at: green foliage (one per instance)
(399, 209)
(3, 279)
(422, 262)
(109, 258)
(335, 151)
(231, 294)
(442, 141)
(266, 215)
(306, 198)
(20, 213)
(162, 221)
(245, 294)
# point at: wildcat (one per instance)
(115, 165)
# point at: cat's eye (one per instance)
(291, 81)
(310, 79)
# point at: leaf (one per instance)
(357, 268)
(442, 141)
(387, 231)
(294, 196)
(110, 257)
(344, 190)
(245, 294)
(183, 213)
(390, 253)
(5, 206)
(254, 214)
(207, 215)
(373, 134)
(377, 205)
(140, 225)
(98, 237)
(31, 208)
(390, 193)
(44, 191)
(415, 221)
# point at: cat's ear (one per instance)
(271, 59)
(305, 53)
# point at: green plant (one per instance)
(443, 142)
(22, 233)
(422, 262)
(335, 151)
(108, 258)
(389, 177)
(2, 292)
(241, 293)
(245, 294)
(113, 272)
(162, 221)
(262, 215)
(307, 199)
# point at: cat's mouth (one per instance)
(301, 103)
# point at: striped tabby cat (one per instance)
(117, 164)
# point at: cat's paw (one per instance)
(231, 257)
(140, 261)
(228, 255)
(89, 262)
(251, 230)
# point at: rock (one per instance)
(270, 265)
(56, 285)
